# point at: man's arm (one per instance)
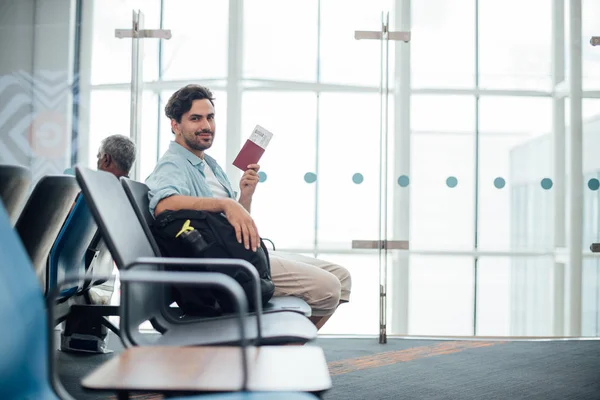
(248, 185)
(170, 191)
(246, 202)
(178, 202)
(240, 219)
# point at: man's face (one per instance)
(197, 127)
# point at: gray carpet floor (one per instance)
(362, 369)
(508, 370)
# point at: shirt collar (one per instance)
(182, 151)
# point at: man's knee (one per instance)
(345, 278)
(325, 295)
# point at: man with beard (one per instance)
(185, 178)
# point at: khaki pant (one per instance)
(323, 285)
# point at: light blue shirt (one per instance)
(181, 172)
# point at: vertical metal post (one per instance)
(159, 106)
(384, 36)
(382, 235)
(399, 278)
(476, 180)
(558, 157)
(137, 76)
(137, 33)
(234, 88)
(317, 183)
(85, 87)
(576, 171)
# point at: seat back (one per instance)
(125, 239)
(67, 256)
(43, 216)
(137, 193)
(23, 338)
(14, 185)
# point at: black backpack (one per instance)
(202, 234)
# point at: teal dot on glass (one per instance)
(451, 182)
(262, 176)
(310, 177)
(403, 181)
(499, 182)
(594, 184)
(358, 178)
(546, 183)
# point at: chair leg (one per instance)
(122, 395)
(104, 321)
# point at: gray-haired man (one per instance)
(116, 155)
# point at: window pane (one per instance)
(441, 295)
(493, 296)
(531, 297)
(194, 53)
(590, 110)
(277, 47)
(515, 296)
(442, 173)
(217, 151)
(348, 185)
(515, 114)
(284, 204)
(116, 105)
(514, 150)
(591, 234)
(591, 218)
(452, 113)
(442, 192)
(102, 103)
(591, 298)
(344, 59)
(517, 54)
(111, 57)
(591, 58)
(447, 65)
(361, 315)
(147, 148)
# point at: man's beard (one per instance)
(193, 144)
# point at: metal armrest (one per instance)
(270, 241)
(226, 263)
(206, 279)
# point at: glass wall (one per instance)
(38, 85)
(480, 184)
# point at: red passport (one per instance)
(254, 148)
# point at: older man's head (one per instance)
(116, 155)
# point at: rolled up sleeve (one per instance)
(166, 180)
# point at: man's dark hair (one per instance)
(181, 101)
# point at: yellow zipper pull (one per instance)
(185, 228)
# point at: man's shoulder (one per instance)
(172, 158)
(166, 166)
